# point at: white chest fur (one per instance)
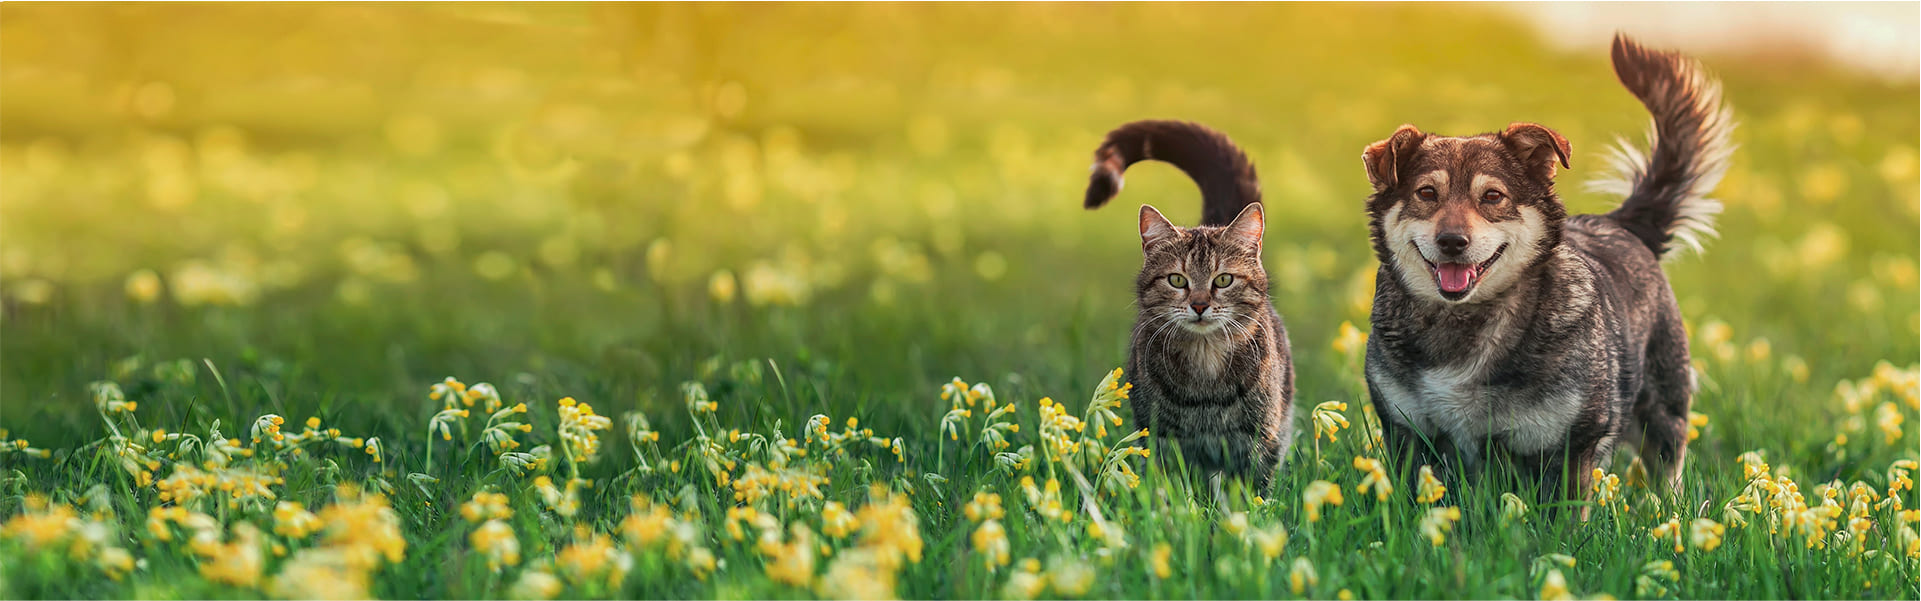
(1455, 402)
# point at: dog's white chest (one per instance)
(1455, 401)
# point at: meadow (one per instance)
(719, 301)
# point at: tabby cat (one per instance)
(1209, 357)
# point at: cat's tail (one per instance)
(1666, 187)
(1223, 172)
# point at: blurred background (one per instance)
(339, 203)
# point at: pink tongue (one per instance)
(1455, 277)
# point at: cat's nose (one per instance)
(1199, 308)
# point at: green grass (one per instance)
(341, 206)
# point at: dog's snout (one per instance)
(1452, 244)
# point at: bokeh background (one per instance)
(337, 204)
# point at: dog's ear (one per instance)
(1247, 227)
(1384, 159)
(1155, 229)
(1538, 147)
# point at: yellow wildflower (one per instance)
(1437, 522)
(1430, 488)
(1328, 420)
(985, 506)
(1668, 530)
(1071, 578)
(1513, 509)
(1554, 588)
(1705, 534)
(1318, 493)
(836, 521)
(990, 540)
(1375, 477)
(1302, 576)
(1159, 561)
(495, 541)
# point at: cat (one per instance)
(1209, 356)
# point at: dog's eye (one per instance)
(1492, 196)
(1222, 280)
(1177, 280)
(1426, 193)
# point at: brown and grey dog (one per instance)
(1209, 356)
(1504, 327)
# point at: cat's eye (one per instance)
(1222, 280)
(1177, 280)
(1426, 193)
(1492, 196)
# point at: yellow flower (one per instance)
(495, 540)
(1888, 418)
(1351, 341)
(1513, 509)
(1430, 488)
(364, 525)
(293, 521)
(648, 524)
(793, 562)
(1270, 541)
(238, 562)
(1696, 422)
(990, 540)
(1318, 493)
(1328, 420)
(536, 584)
(592, 557)
(1071, 578)
(1670, 529)
(1302, 576)
(890, 527)
(836, 521)
(985, 506)
(1024, 585)
(1437, 522)
(1554, 588)
(1159, 560)
(577, 426)
(1236, 523)
(486, 505)
(1656, 579)
(1705, 534)
(1607, 487)
(1375, 478)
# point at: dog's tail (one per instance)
(1223, 172)
(1667, 187)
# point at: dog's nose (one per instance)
(1199, 308)
(1451, 244)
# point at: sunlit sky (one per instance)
(1877, 38)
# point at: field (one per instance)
(799, 301)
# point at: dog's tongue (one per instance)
(1455, 277)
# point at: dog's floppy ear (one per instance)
(1384, 158)
(1538, 147)
(1155, 229)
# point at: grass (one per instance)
(231, 212)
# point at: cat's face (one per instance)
(1202, 280)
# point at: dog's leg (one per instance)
(1661, 409)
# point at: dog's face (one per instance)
(1460, 218)
(1203, 279)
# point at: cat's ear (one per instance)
(1155, 229)
(1247, 227)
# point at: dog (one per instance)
(1503, 327)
